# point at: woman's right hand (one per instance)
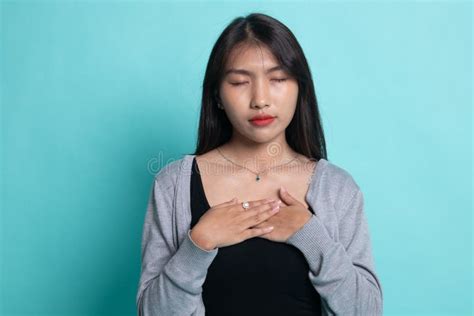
(228, 223)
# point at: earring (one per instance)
(220, 106)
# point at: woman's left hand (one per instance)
(288, 220)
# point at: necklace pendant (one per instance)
(258, 178)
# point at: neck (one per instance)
(258, 155)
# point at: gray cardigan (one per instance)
(335, 242)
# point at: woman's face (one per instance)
(252, 85)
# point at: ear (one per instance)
(216, 96)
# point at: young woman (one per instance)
(257, 221)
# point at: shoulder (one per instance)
(167, 176)
(338, 183)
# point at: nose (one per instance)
(260, 97)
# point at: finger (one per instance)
(255, 203)
(286, 197)
(255, 217)
(254, 232)
(260, 208)
(261, 225)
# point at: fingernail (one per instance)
(282, 189)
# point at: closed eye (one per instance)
(237, 83)
(244, 82)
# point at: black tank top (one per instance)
(254, 277)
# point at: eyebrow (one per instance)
(248, 73)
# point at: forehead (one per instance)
(252, 58)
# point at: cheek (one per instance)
(287, 104)
(234, 113)
(236, 103)
(292, 93)
(234, 96)
(287, 114)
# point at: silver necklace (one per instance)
(256, 173)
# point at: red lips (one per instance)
(261, 117)
(262, 120)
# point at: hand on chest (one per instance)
(242, 185)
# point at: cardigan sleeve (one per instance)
(171, 279)
(343, 271)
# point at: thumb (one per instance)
(286, 197)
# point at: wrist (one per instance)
(200, 241)
(304, 219)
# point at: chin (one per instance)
(263, 137)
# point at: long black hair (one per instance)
(304, 134)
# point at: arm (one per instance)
(171, 279)
(342, 272)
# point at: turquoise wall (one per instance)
(97, 96)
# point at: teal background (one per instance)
(97, 96)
